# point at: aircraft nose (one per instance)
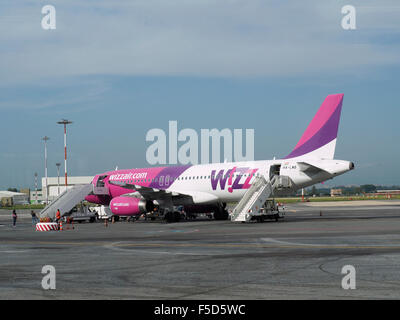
(351, 165)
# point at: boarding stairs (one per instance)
(66, 200)
(256, 196)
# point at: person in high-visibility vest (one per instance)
(58, 215)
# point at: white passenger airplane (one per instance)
(208, 187)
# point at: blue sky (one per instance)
(120, 70)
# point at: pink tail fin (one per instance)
(319, 139)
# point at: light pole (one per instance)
(36, 187)
(45, 139)
(65, 122)
(58, 177)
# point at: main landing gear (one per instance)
(173, 216)
(221, 213)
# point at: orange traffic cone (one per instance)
(61, 226)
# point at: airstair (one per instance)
(254, 201)
(67, 200)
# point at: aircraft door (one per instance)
(274, 170)
(100, 181)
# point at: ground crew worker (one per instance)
(58, 216)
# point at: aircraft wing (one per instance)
(162, 195)
(145, 192)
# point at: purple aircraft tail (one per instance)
(319, 139)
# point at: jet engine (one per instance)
(129, 206)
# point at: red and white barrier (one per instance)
(46, 226)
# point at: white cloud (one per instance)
(52, 94)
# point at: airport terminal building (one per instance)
(9, 198)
